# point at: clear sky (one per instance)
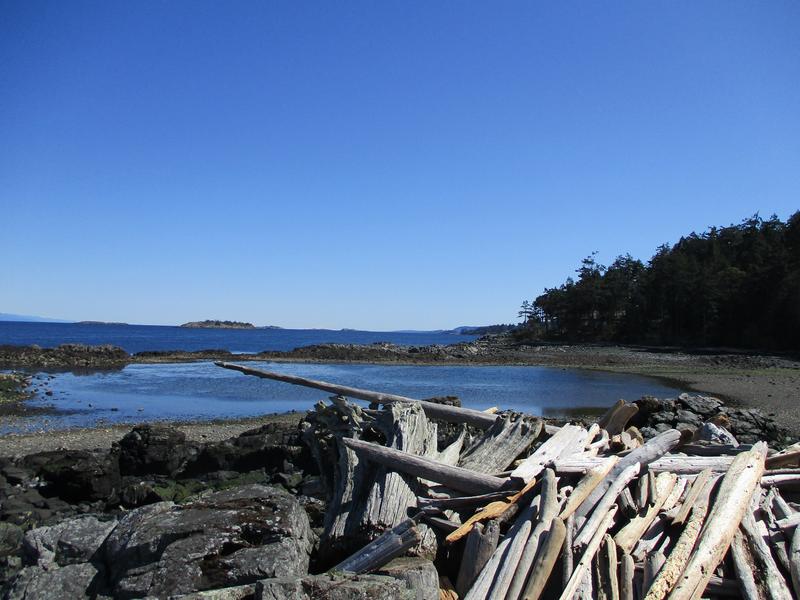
(374, 165)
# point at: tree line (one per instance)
(735, 286)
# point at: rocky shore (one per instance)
(771, 383)
(162, 513)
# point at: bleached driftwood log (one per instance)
(380, 551)
(733, 500)
(591, 525)
(548, 507)
(677, 464)
(505, 440)
(587, 484)
(368, 500)
(615, 419)
(652, 450)
(627, 572)
(582, 568)
(679, 556)
(546, 558)
(481, 543)
(568, 440)
(454, 477)
(627, 537)
(450, 414)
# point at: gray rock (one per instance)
(240, 592)
(418, 574)
(223, 539)
(72, 541)
(710, 432)
(701, 405)
(326, 587)
(59, 583)
(153, 450)
(10, 538)
(685, 416)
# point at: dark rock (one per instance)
(269, 447)
(223, 539)
(686, 416)
(136, 492)
(69, 542)
(361, 587)
(10, 538)
(78, 475)
(701, 405)
(153, 450)
(15, 475)
(419, 575)
(62, 583)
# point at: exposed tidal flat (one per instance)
(76, 387)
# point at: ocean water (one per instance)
(136, 338)
(203, 391)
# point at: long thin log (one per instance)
(652, 450)
(627, 572)
(546, 558)
(744, 565)
(774, 581)
(695, 490)
(567, 556)
(587, 484)
(501, 510)
(733, 500)
(794, 561)
(582, 568)
(592, 524)
(457, 478)
(548, 508)
(480, 589)
(677, 559)
(443, 412)
(608, 567)
(461, 501)
(380, 551)
(627, 537)
(652, 566)
(677, 464)
(481, 543)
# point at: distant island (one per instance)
(213, 324)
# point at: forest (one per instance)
(735, 286)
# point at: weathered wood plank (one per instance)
(568, 439)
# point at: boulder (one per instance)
(419, 575)
(60, 583)
(271, 447)
(77, 475)
(153, 450)
(327, 587)
(222, 539)
(69, 542)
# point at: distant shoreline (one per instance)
(768, 382)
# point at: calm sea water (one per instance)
(176, 392)
(202, 391)
(136, 338)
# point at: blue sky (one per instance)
(375, 165)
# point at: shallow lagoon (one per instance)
(203, 391)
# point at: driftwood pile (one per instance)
(513, 508)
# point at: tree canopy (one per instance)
(736, 286)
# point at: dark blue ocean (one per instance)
(202, 391)
(136, 338)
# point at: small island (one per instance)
(214, 324)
